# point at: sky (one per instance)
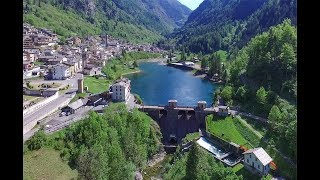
(192, 4)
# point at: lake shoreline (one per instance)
(158, 83)
(160, 60)
(133, 72)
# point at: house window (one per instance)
(250, 155)
(258, 166)
(256, 159)
(247, 160)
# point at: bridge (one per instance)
(177, 121)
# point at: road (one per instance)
(43, 110)
(235, 112)
(59, 123)
(250, 127)
(40, 113)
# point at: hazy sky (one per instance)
(192, 4)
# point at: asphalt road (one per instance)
(59, 123)
(73, 82)
(43, 110)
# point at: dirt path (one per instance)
(250, 127)
(286, 158)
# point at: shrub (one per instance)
(37, 141)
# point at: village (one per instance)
(44, 55)
(53, 73)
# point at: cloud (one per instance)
(192, 4)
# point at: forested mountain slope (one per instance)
(230, 24)
(136, 20)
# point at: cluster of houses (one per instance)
(44, 54)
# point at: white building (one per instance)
(188, 63)
(121, 90)
(258, 159)
(60, 71)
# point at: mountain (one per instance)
(230, 24)
(135, 20)
(176, 11)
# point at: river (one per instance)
(157, 83)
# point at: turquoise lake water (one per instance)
(156, 84)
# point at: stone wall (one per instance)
(225, 144)
(177, 122)
(34, 92)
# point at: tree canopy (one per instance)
(112, 145)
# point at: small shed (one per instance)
(73, 107)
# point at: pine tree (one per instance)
(192, 162)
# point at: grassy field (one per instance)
(38, 63)
(240, 170)
(225, 129)
(96, 85)
(46, 164)
(28, 98)
(247, 133)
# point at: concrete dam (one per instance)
(178, 121)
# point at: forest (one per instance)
(229, 24)
(263, 81)
(113, 145)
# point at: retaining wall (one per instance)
(39, 92)
(40, 104)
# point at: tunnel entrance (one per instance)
(173, 139)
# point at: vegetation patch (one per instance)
(28, 98)
(78, 96)
(246, 132)
(96, 85)
(46, 164)
(225, 129)
(197, 164)
(191, 136)
(112, 145)
(138, 99)
(158, 169)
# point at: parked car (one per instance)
(62, 114)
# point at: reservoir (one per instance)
(158, 83)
